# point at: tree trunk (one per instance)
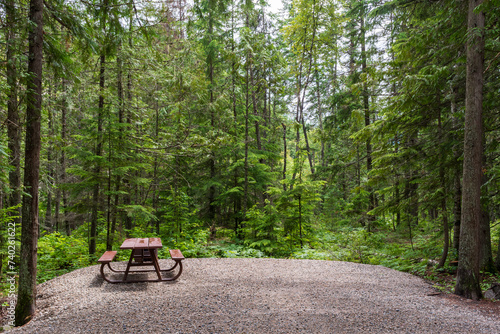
(48, 224)
(366, 107)
(98, 149)
(413, 186)
(245, 168)
(302, 89)
(468, 264)
(457, 185)
(457, 208)
(237, 199)
(358, 168)
(300, 222)
(155, 167)
(284, 156)
(26, 297)
(497, 260)
(63, 158)
(320, 120)
(444, 211)
(410, 211)
(486, 263)
(56, 168)
(98, 152)
(255, 108)
(119, 86)
(308, 149)
(485, 256)
(297, 121)
(397, 185)
(127, 200)
(211, 162)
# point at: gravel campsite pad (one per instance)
(256, 296)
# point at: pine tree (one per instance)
(469, 255)
(25, 307)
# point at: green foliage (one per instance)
(59, 254)
(4, 166)
(235, 251)
(178, 219)
(262, 226)
(307, 253)
(9, 231)
(193, 119)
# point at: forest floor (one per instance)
(445, 283)
(259, 296)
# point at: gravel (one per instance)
(255, 296)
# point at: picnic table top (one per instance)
(141, 243)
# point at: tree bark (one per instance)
(255, 107)
(397, 185)
(366, 107)
(49, 224)
(119, 86)
(457, 184)
(98, 149)
(98, 152)
(486, 263)
(457, 200)
(247, 139)
(64, 194)
(457, 208)
(497, 260)
(26, 298)
(320, 120)
(300, 222)
(284, 156)
(485, 256)
(468, 264)
(444, 211)
(127, 198)
(237, 199)
(308, 148)
(211, 162)
(155, 166)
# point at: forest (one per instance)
(351, 130)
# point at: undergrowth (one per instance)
(59, 254)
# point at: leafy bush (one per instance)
(59, 254)
(235, 251)
(311, 254)
(265, 237)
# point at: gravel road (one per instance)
(256, 296)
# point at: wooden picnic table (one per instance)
(144, 253)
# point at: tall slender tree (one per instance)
(26, 298)
(469, 252)
(100, 119)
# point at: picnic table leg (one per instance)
(102, 273)
(178, 274)
(156, 264)
(113, 270)
(173, 267)
(128, 266)
(104, 276)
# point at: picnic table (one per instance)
(144, 253)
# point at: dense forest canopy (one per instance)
(227, 128)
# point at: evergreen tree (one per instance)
(25, 307)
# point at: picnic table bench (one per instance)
(144, 252)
